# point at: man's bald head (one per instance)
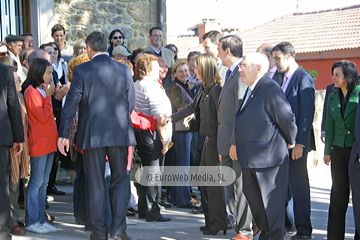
(38, 53)
(266, 49)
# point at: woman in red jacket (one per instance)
(42, 138)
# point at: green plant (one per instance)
(312, 73)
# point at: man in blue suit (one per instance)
(103, 91)
(264, 130)
(299, 90)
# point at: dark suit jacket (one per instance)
(301, 95)
(355, 151)
(11, 127)
(263, 129)
(340, 130)
(104, 92)
(329, 90)
(231, 97)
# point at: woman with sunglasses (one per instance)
(116, 38)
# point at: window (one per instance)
(11, 21)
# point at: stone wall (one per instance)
(133, 17)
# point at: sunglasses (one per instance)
(120, 37)
(55, 48)
(4, 53)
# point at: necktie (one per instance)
(228, 73)
(284, 83)
(248, 93)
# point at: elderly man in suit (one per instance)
(156, 39)
(104, 92)
(230, 51)
(12, 134)
(262, 134)
(299, 90)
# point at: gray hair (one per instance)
(97, 41)
(258, 59)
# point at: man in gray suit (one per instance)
(156, 40)
(103, 91)
(230, 51)
(12, 134)
(264, 130)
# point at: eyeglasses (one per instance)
(4, 53)
(18, 81)
(29, 41)
(55, 49)
(119, 37)
(243, 66)
(160, 36)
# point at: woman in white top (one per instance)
(151, 99)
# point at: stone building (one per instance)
(80, 17)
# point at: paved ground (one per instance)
(185, 226)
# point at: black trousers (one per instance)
(354, 173)
(119, 186)
(150, 154)
(212, 197)
(4, 191)
(266, 189)
(300, 192)
(340, 191)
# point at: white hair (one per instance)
(258, 59)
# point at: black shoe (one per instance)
(191, 206)
(130, 214)
(213, 232)
(300, 236)
(204, 228)
(165, 204)
(159, 219)
(197, 210)
(54, 191)
(131, 209)
(120, 236)
(93, 236)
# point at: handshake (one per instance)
(162, 119)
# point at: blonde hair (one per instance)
(208, 70)
(176, 65)
(74, 62)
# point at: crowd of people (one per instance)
(95, 105)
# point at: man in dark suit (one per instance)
(230, 52)
(299, 90)
(12, 134)
(104, 92)
(264, 129)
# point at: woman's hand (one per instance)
(187, 120)
(327, 159)
(165, 146)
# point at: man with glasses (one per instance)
(29, 41)
(156, 39)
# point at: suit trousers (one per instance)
(265, 190)
(237, 206)
(14, 205)
(150, 154)
(340, 191)
(354, 173)
(212, 197)
(94, 171)
(4, 189)
(300, 191)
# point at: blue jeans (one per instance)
(180, 195)
(36, 190)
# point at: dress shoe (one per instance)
(130, 214)
(159, 219)
(131, 209)
(214, 232)
(289, 232)
(256, 230)
(230, 224)
(300, 236)
(93, 236)
(165, 204)
(198, 210)
(17, 230)
(204, 228)
(54, 191)
(120, 236)
(239, 236)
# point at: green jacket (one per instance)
(339, 131)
